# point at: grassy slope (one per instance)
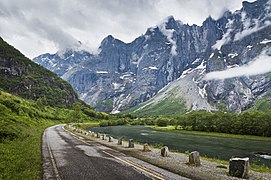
(170, 106)
(51, 100)
(20, 76)
(22, 123)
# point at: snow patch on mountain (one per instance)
(265, 41)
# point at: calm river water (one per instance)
(215, 147)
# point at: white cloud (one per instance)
(169, 34)
(260, 65)
(47, 25)
(225, 38)
(247, 31)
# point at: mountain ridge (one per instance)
(20, 76)
(124, 75)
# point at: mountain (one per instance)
(171, 60)
(20, 76)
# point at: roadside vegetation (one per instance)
(255, 123)
(22, 123)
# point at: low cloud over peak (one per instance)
(260, 65)
(36, 27)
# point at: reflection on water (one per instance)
(263, 155)
(215, 147)
(144, 134)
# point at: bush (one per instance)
(103, 124)
(162, 122)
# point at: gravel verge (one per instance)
(177, 162)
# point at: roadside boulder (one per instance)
(194, 158)
(120, 141)
(239, 167)
(164, 151)
(104, 137)
(110, 139)
(131, 143)
(146, 147)
(98, 135)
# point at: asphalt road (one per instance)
(68, 156)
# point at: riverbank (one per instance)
(177, 162)
(214, 134)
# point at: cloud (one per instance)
(260, 65)
(49, 25)
(226, 37)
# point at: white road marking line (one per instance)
(53, 162)
(137, 166)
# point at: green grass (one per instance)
(85, 126)
(22, 123)
(32, 81)
(21, 158)
(253, 167)
(172, 129)
(170, 106)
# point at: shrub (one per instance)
(162, 122)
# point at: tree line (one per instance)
(246, 123)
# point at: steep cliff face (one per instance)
(124, 75)
(21, 76)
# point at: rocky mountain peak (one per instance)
(173, 54)
(171, 23)
(110, 42)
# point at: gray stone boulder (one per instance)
(239, 167)
(164, 151)
(120, 141)
(194, 158)
(104, 137)
(98, 135)
(131, 143)
(146, 147)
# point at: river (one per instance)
(223, 148)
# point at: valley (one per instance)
(202, 87)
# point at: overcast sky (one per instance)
(39, 26)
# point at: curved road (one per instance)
(68, 156)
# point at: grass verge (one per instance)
(20, 158)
